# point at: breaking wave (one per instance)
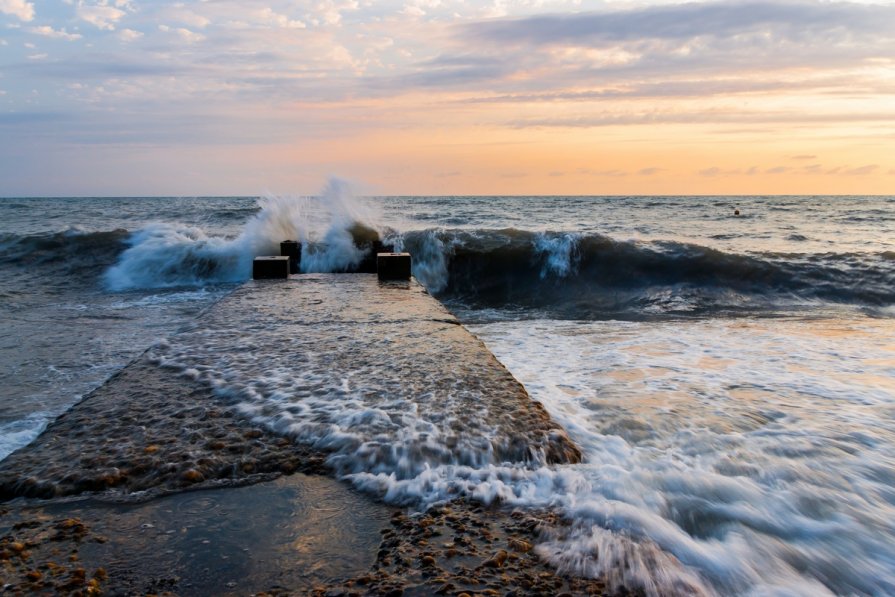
(591, 276)
(72, 252)
(561, 274)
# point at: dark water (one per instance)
(729, 378)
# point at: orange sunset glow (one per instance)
(431, 97)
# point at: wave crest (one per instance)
(595, 276)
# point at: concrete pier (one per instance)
(323, 374)
(159, 424)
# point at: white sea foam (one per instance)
(757, 453)
(731, 456)
(21, 432)
(170, 255)
(561, 253)
(431, 255)
(737, 456)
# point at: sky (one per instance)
(440, 97)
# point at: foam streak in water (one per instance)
(758, 453)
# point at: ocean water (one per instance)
(729, 379)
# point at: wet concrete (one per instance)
(149, 430)
(318, 374)
(380, 373)
(297, 533)
(258, 387)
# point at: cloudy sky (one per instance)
(203, 97)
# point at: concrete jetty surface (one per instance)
(321, 374)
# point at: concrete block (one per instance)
(393, 266)
(292, 250)
(264, 268)
(373, 249)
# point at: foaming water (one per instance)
(165, 255)
(722, 456)
(730, 447)
(55, 349)
(759, 453)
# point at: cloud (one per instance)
(814, 169)
(24, 11)
(861, 170)
(612, 172)
(700, 41)
(649, 171)
(715, 171)
(102, 16)
(109, 66)
(183, 33)
(129, 35)
(419, 8)
(727, 84)
(329, 12)
(269, 17)
(185, 16)
(696, 88)
(700, 116)
(48, 31)
(787, 19)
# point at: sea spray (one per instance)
(431, 253)
(560, 254)
(167, 255)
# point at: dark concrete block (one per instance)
(372, 249)
(393, 266)
(292, 250)
(264, 268)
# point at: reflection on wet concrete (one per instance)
(295, 533)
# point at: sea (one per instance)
(725, 363)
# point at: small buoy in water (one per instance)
(736, 212)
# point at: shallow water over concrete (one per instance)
(296, 532)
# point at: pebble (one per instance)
(520, 545)
(497, 560)
(192, 476)
(34, 575)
